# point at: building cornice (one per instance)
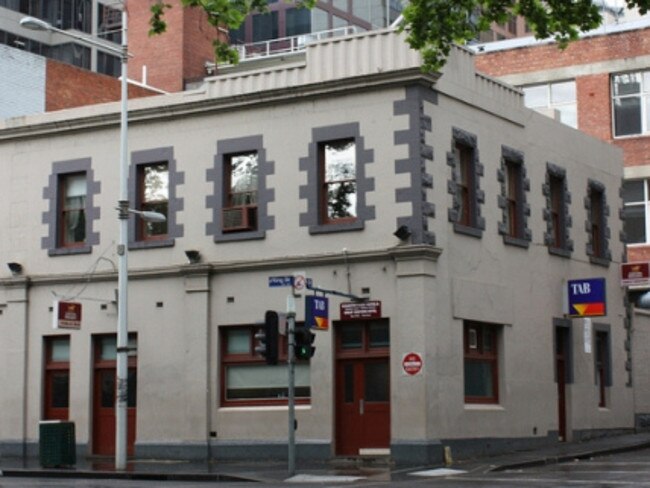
(394, 254)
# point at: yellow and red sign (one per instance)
(587, 298)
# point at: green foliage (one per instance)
(432, 26)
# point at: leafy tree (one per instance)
(432, 26)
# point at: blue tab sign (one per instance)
(277, 281)
(316, 312)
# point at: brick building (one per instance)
(600, 85)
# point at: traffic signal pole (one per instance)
(291, 363)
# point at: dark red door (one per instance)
(104, 399)
(363, 405)
(561, 371)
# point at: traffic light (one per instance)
(304, 340)
(267, 338)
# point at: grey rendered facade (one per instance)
(369, 89)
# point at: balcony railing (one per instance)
(287, 45)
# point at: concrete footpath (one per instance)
(336, 470)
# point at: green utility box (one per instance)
(57, 444)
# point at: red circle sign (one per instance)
(412, 363)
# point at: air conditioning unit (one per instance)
(239, 218)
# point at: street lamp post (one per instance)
(123, 216)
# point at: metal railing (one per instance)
(287, 45)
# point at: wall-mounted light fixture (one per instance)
(193, 256)
(402, 233)
(15, 268)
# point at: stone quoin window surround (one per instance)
(556, 214)
(514, 187)
(219, 174)
(139, 161)
(52, 218)
(313, 164)
(464, 185)
(596, 224)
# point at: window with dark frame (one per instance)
(597, 222)
(73, 190)
(513, 205)
(153, 196)
(246, 379)
(602, 364)
(338, 168)
(465, 185)
(57, 378)
(241, 192)
(481, 357)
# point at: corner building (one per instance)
(313, 164)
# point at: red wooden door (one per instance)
(104, 399)
(362, 405)
(560, 370)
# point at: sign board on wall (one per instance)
(635, 274)
(316, 312)
(360, 310)
(587, 297)
(412, 363)
(67, 315)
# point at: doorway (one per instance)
(105, 356)
(362, 387)
(562, 375)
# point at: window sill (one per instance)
(152, 244)
(468, 231)
(485, 407)
(342, 227)
(69, 251)
(516, 241)
(599, 261)
(240, 236)
(558, 251)
(263, 408)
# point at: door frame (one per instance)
(563, 365)
(359, 355)
(101, 365)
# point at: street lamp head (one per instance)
(152, 216)
(33, 23)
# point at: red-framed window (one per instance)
(481, 358)
(362, 339)
(338, 176)
(514, 190)
(153, 196)
(246, 379)
(597, 222)
(241, 181)
(466, 188)
(602, 364)
(73, 189)
(557, 209)
(57, 378)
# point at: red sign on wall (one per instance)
(635, 274)
(412, 363)
(68, 315)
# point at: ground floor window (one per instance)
(481, 357)
(246, 379)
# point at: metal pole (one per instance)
(121, 393)
(291, 363)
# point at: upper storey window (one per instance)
(630, 98)
(73, 209)
(636, 199)
(241, 178)
(557, 100)
(154, 197)
(339, 185)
